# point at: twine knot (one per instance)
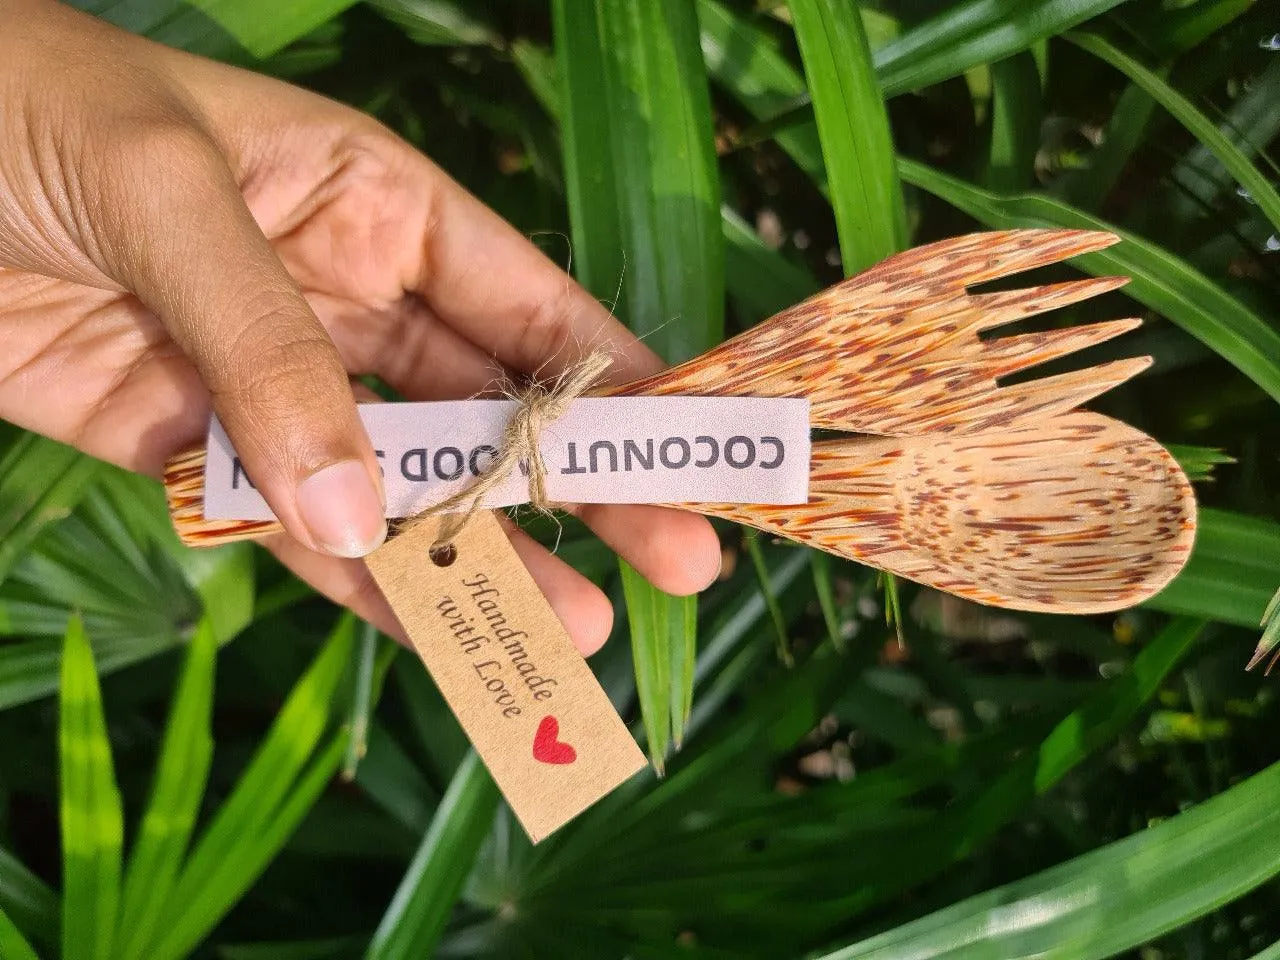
(537, 405)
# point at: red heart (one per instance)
(547, 748)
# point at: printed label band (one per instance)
(604, 450)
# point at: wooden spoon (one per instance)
(1078, 514)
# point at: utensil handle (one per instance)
(184, 491)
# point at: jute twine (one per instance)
(537, 405)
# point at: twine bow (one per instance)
(537, 405)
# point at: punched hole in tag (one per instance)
(443, 554)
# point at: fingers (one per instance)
(491, 284)
(582, 608)
(182, 239)
(345, 582)
(424, 232)
(409, 348)
(677, 552)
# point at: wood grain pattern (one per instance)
(995, 493)
(895, 350)
(1079, 514)
(184, 491)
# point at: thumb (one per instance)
(192, 252)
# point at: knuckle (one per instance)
(167, 142)
(277, 372)
(368, 146)
(363, 594)
(545, 332)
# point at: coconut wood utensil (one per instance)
(895, 350)
(1076, 514)
(986, 492)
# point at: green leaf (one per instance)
(744, 59)
(853, 127)
(274, 793)
(682, 620)
(264, 35)
(236, 30)
(1015, 122)
(437, 22)
(538, 68)
(223, 580)
(760, 281)
(27, 900)
(966, 824)
(1200, 126)
(362, 701)
(40, 482)
(118, 564)
(1113, 899)
(414, 921)
(170, 818)
(644, 208)
(1101, 719)
(640, 168)
(1198, 462)
(650, 615)
(391, 780)
(439, 735)
(1089, 186)
(1252, 122)
(91, 814)
(1233, 571)
(975, 32)
(962, 37)
(13, 945)
(1170, 32)
(820, 563)
(1270, 633)
(751, 541)
(1161, 280)
(341, 948)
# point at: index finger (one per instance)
(473, 270)
(484, 279)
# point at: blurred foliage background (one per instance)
(199, 757)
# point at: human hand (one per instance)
(178, 236)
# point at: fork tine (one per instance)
(1066, 391)
(1006, 306)
(1020, 250)
(941, 269)
(1011, 354)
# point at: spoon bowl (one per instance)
(1077, 514)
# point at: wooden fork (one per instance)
(895, 350)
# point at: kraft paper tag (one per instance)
(603, 450)
(526, 698)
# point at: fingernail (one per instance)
(341, 507)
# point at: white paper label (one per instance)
(604, 450)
